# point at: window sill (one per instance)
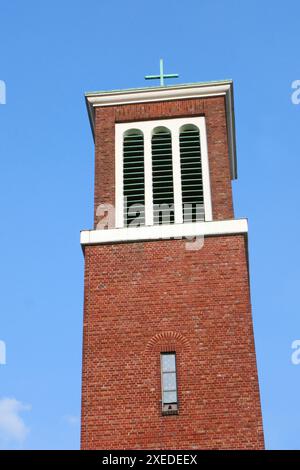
(168, 410)
(170, 413)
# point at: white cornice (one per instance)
(157, 94)
(161, 232)
(180, 92)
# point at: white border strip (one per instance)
(119, 196)
(159, 232)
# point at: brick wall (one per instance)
(144, 298)
(214, 111)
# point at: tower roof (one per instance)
(167, 93)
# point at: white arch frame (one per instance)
(147, 127)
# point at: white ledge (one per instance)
(161, 232)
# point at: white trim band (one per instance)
(160, 232)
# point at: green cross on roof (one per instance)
(161, 75)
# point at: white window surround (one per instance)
(147, 127)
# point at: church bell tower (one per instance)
(168, 349)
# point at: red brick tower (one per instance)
(168, 349)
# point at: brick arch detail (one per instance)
(167, 341)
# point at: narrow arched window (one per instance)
(169, 383)
(162, 176)
(133, 178)
(191, 174)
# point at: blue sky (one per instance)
(51, 52)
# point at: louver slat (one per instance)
(133, 178)
(162, 178)
(191, 176)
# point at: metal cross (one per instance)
(161, 75)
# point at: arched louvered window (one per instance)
(191, 174)
(133, 178)
(162, 176)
